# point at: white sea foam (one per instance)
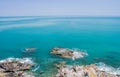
(22, 60)
(109, 69)
(78, 53)
(36, 68)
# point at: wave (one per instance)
(21, 60)
(36, 68)
(18, 25)
(82, 53)
(109, 69)
(14, 66)
(5, 19)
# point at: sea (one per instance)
(98, 36)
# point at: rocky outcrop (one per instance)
(83, 71)
(68, 53)
(15, 67)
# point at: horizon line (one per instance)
(58, 16)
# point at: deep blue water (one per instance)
(99, 36)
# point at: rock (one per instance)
(28, 74)
(2, 74)
(83, 71)
(15, 67)
(41, 72)
(60, 64)
(30, 49)
(68, 53)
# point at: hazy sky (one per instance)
(59, 7)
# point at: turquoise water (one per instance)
(99, 36)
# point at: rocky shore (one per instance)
(23, 67)
(84, 71)
(68, 53)
(16, 67)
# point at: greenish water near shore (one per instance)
(99, 36)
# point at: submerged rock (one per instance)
(29, 49)
(68, 53)
(60, 64)
(84, 71)
(15, 67)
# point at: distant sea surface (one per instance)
(99, 36)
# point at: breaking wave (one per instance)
(22, 60)
(17, 65)
(109, 69)
(81, 54)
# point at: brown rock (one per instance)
(68, 53)
(82, 71)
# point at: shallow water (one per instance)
(99, 36)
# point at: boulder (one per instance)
(68, 53)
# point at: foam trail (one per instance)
(36, 68)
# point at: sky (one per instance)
(59, 7)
